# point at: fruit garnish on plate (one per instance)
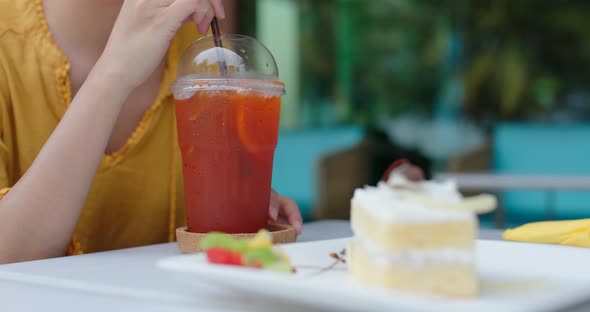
(257, 252)
(411, 171)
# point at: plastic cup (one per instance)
(227, 133)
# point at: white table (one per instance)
(126, 280)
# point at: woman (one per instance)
(88, 155)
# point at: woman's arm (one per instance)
(39, 214)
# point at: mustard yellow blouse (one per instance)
(137, 197)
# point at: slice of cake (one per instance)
(416, 236)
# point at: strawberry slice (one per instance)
(392, 167)
(411, 171)
(224, 256)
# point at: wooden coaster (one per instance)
(190, 242)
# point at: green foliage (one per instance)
(525, 57)
(377, 58)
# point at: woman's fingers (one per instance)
(284, 210)
(275, 205)
(180, 10)
(218, 8)
(203, 25)
(201, 12)
(290, 211)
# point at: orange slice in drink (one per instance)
(255, 116)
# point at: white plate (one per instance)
(514, 277)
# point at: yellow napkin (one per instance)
(573, 233)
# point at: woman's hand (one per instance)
(143, 32)
(285, 210)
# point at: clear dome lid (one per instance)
(242, 62)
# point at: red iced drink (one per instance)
(227, 137)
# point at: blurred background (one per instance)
(495, 93)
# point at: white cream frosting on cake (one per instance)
(393, 201)
(416, 257)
